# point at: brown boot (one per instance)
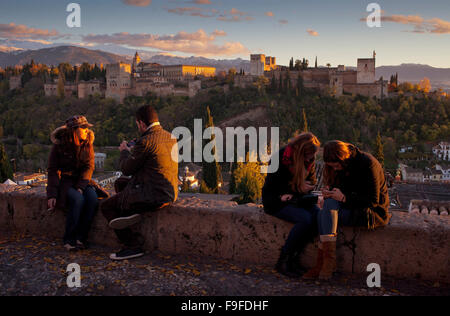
(314, 272)
(329, 260)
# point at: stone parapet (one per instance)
(411, 246)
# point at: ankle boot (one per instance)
(294, 265)
(329, 260)
(283, 265)
(314, 272)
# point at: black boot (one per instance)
(294, 264)
(284, 265)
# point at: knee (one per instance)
(330, 204)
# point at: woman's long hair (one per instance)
(335, 151)
(302, 145)
(73, 144)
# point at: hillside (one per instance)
(56, 55)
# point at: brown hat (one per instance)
(77, 121)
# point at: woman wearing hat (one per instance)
(70, 168)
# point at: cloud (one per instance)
(269, 13)
(202, 1)
(194, 11)
(283, 21)
(219, 33)
(198, 43)
(14, 31)
(234, 15)
(421, 25)
(312, 32)
(137, 3)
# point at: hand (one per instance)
(51, 203)
(123, 146)
(81, 191)
(336, 194)
(320, 201)
(307, 186)
(326, 192)
(286, 197)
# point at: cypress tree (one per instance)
(379, 151)
(212, 175)
(305, 122)
(5, 168)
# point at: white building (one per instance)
(99, 161)
(445, 169)
(442, 151)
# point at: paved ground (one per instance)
(35, 266)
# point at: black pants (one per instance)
(111, 209)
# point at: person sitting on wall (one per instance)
(356, 195)
(70, 168)
(285, 195)
(153, 183)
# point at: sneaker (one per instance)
(127, 254)
(124, 222)
(70, 247)
(82, 245)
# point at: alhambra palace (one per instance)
(140, 78)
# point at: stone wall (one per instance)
(412, 246)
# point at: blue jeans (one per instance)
(332, 215)
(304, 230)
(82, 209)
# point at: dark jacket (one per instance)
(278, 184)
(65, 170)
(365, 188)
(154, 175)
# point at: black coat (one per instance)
(365, 188)
(278, 184)
(154, 175)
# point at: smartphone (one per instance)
(131, 143)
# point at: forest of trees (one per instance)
(28, 116)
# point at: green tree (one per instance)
(305, 122)
(379, 152)
(60, 86)
(248, 181)
(5, 167)
(212, 176)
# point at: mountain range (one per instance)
(439, 77)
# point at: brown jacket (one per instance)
(154, 175)
(64, 169)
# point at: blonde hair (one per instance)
(305, 143)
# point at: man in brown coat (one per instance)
(152, 186)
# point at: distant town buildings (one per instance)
(442, 151)
(259, 64)
(82, 89)
(337, 80)
(99, 161)
(30, 178)
(107, 179)
(140, 78)
(439, 173)
(15, 82)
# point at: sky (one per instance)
(412, 31)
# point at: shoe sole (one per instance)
(113, 257)
(124, 222)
